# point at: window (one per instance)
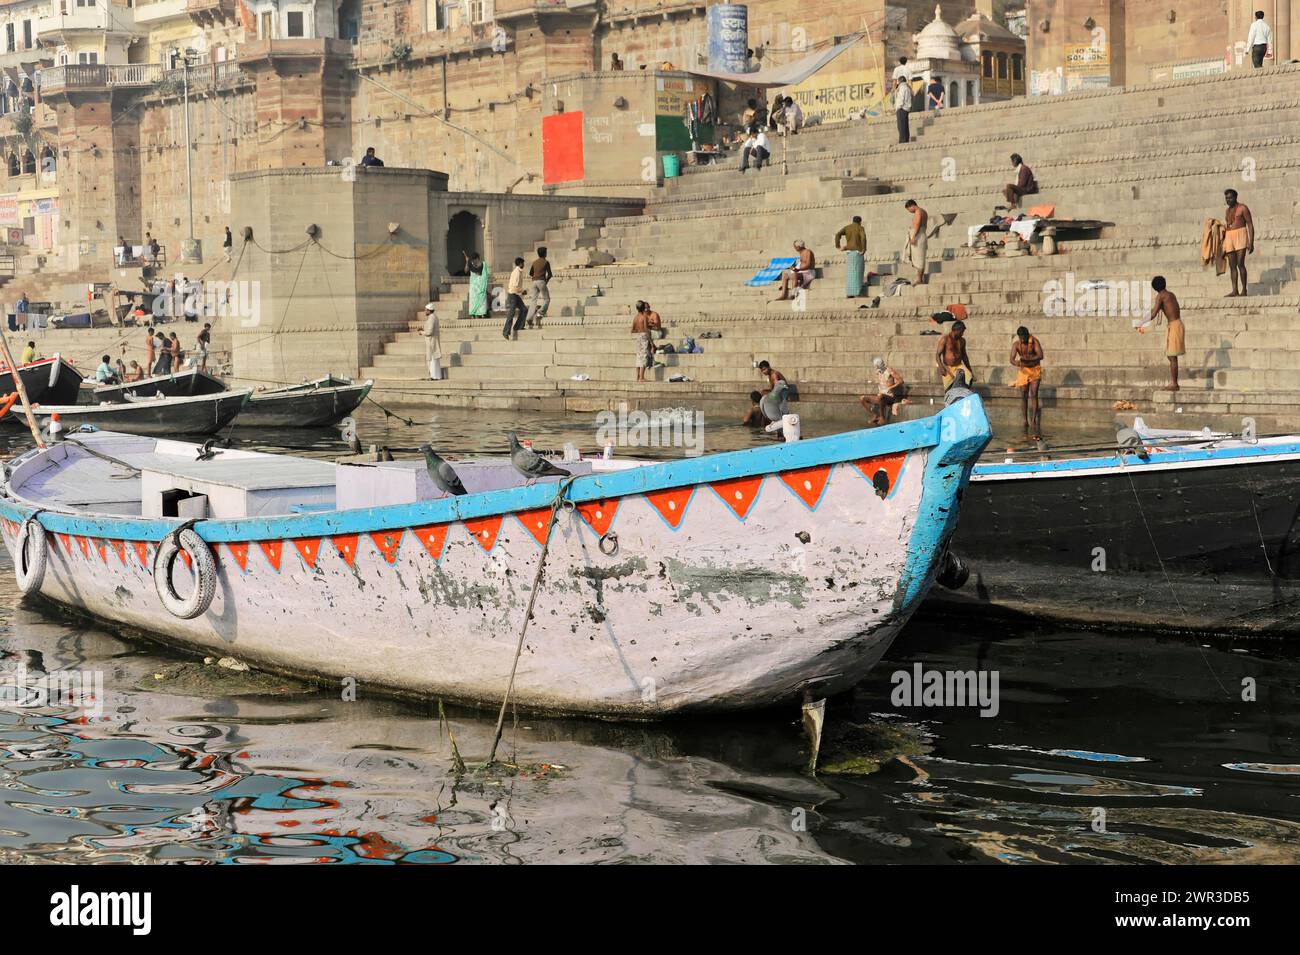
(1017, 67)
(49, 160)
(293, 23)
(27, 34)
(29, 163)
(14, 170)
(480, 11)
(88, 58)
(9, 38)
(987, 57)
(1002, 66)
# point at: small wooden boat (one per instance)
(1187, 530)
(312, 404)
(726, 581)
(185, 383)
(164, 417)
(54, 380)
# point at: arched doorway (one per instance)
(464, 237)
(954, 94)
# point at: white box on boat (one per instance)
(405, 482)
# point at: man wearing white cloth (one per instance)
(433, 343)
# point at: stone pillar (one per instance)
(303, 105)
(1282, 27)
(328, 305)
(99, 174)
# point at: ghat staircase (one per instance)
(1152, 159)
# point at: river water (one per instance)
(1110, 747)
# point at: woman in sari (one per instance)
(478, 285)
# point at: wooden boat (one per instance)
(185, 383)
(725, 581)
(312, 404)
(1187, 531)
(164, 417)
(54, 380)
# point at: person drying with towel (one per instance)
(950, 355)
(1027, 356)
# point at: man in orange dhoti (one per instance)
(1027, 355)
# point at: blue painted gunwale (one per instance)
(970, 435)
(1131, 461)
(965, 432)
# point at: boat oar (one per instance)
(556, 506)
(22, 391)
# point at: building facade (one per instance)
(505, 96)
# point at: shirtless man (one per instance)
(774, 399)
(755, 418)
(642, 323)
(804, 270)
(914, 251)
(1027, 355)
(1238, 240)
(890, 389)
(1166, 304)
(950, 355)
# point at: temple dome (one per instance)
(938, 41)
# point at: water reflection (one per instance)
(1106, 748)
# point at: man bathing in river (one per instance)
(755, 418)
(1027, 355)
(1238, 240)
(950, 355)
(890, 390)
(1166, 304)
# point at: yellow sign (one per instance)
(674, 93)
(1087, 58)
(837, 96)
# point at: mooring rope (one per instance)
(1173, 592)
(556, 506)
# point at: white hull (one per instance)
(707, 602)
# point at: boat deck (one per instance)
(136, 475)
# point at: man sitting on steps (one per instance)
(801, 274)
(755, 148)
(1023, 186)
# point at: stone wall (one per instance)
(1147, 41)
(451, 102)
(329, 303)
(326, 304)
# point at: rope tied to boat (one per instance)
(561, 503)
(176, 532)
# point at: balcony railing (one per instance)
(215, 9)
(102, 76)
